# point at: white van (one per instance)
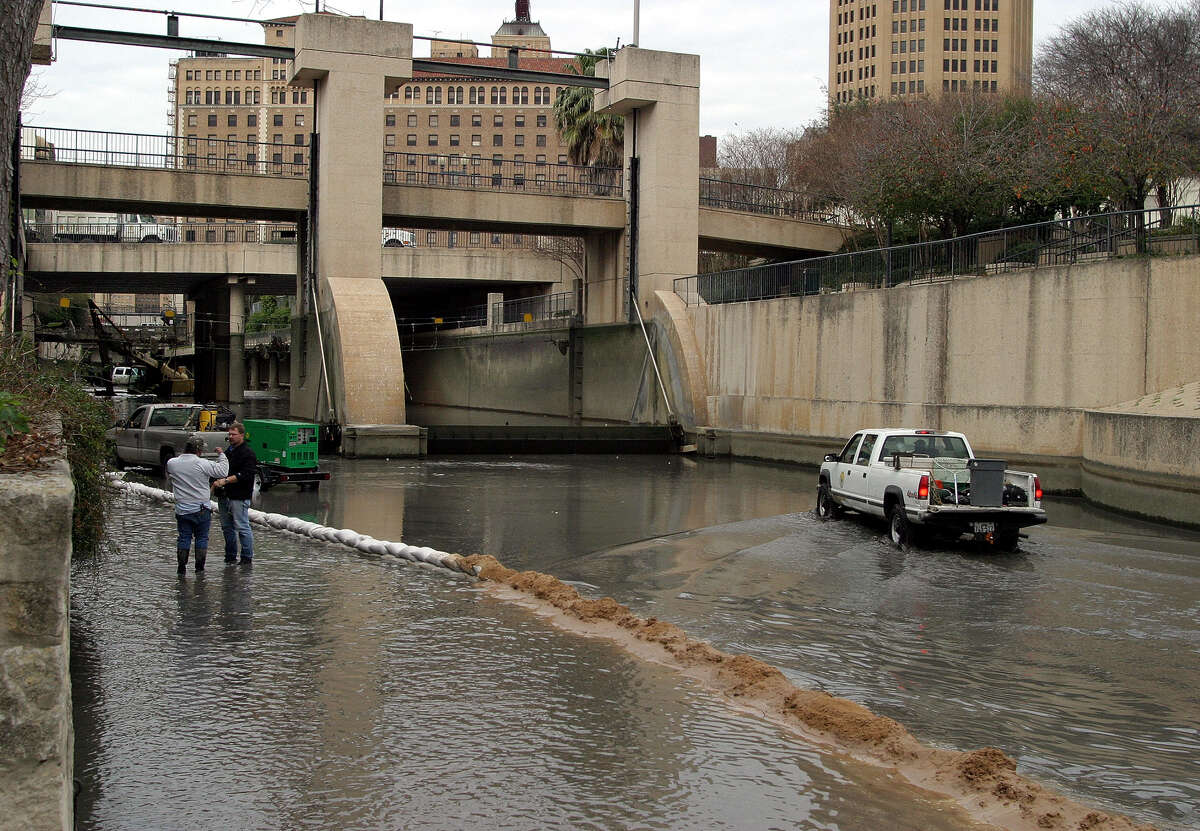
(123, 376)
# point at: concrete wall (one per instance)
(37, 763)
(761, 235)
(528, 373)
(1025, 350)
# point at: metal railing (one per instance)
(757, 199)
(116, 230)
(475, 172)
(208, 154)
(1058, 242)
(554, 308)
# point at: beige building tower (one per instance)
(905, 48)
(521, 32)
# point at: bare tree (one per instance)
(1132, 74)
(758, 157)
(17, 26)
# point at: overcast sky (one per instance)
(763, 63)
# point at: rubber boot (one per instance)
(201, 555)
(182, 556)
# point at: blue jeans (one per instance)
(193, 524)
(235, 524)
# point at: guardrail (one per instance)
(475, 172)
(757, 199)
(207, 154)
(1059, 242)
(558, 309)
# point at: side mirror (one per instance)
(831, 457)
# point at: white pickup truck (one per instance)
(156, 432)
(929, 480)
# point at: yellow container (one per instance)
(208, 420)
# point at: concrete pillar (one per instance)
(252, 362)
(273, 371)
(659, 95)
(494, 319)
(352, 62)
(605, 289)
(237, 341)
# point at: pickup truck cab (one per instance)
(929, 481)
(154, 433)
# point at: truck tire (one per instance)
(118, 462)
(899, 531)
(826, 508)
(165, 455)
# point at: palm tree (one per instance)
(592, 139)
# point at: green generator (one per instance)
(291, 445)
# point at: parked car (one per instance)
(929, 481)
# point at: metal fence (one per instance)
(475, 172)
(1059, 242)
(757, 199)
(554, 308)
(116, 230)
(209, 154)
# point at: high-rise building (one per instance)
(905, 48)
(224, 110)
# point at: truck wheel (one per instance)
(826, 507)
(118, 463)
(1006, 539)
(898, 529)
(165, 455)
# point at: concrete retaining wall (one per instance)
(37, 762)
(1016, 361)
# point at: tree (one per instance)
(1130, 75)
(593, 139)
(758, 157)
(17, 26)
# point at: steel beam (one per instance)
(183, 44)
(476, 71)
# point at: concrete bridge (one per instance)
(640, 233)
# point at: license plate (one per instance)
(983, 527)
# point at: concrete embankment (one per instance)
(36, 765)
(1029, 364)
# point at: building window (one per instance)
(541, 140)
(476, 120)
(390, 140)
(454, 140)
(252, 120)
(454, 120)
(411, 140)
(191, 120)
(519, 120)
(433, 120)
(277, 120)
(412, 120)
(212, 119)
(497, 120)
(475, 140)
(389, 120)
(298, 139)
(562, 158)
(497, 140)
(541, 120)
(433, 140)
(519, 140)
(231, 120)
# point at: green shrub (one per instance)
(45, 389)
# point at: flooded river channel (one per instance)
(328, 689)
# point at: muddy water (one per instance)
(324, 689)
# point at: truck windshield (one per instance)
(945, 446)
(173, 416)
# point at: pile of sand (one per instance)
(983, 782)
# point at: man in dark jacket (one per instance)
(233, 495)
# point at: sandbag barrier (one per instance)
(384, 549)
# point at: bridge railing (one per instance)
(207, 154)
(475, 172)
(1059, 242)
(757, 199)
(558, 308)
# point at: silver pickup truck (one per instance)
(155, 433)
(929, 481)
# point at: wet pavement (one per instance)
(324, 688)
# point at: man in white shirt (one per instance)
(189, 476)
